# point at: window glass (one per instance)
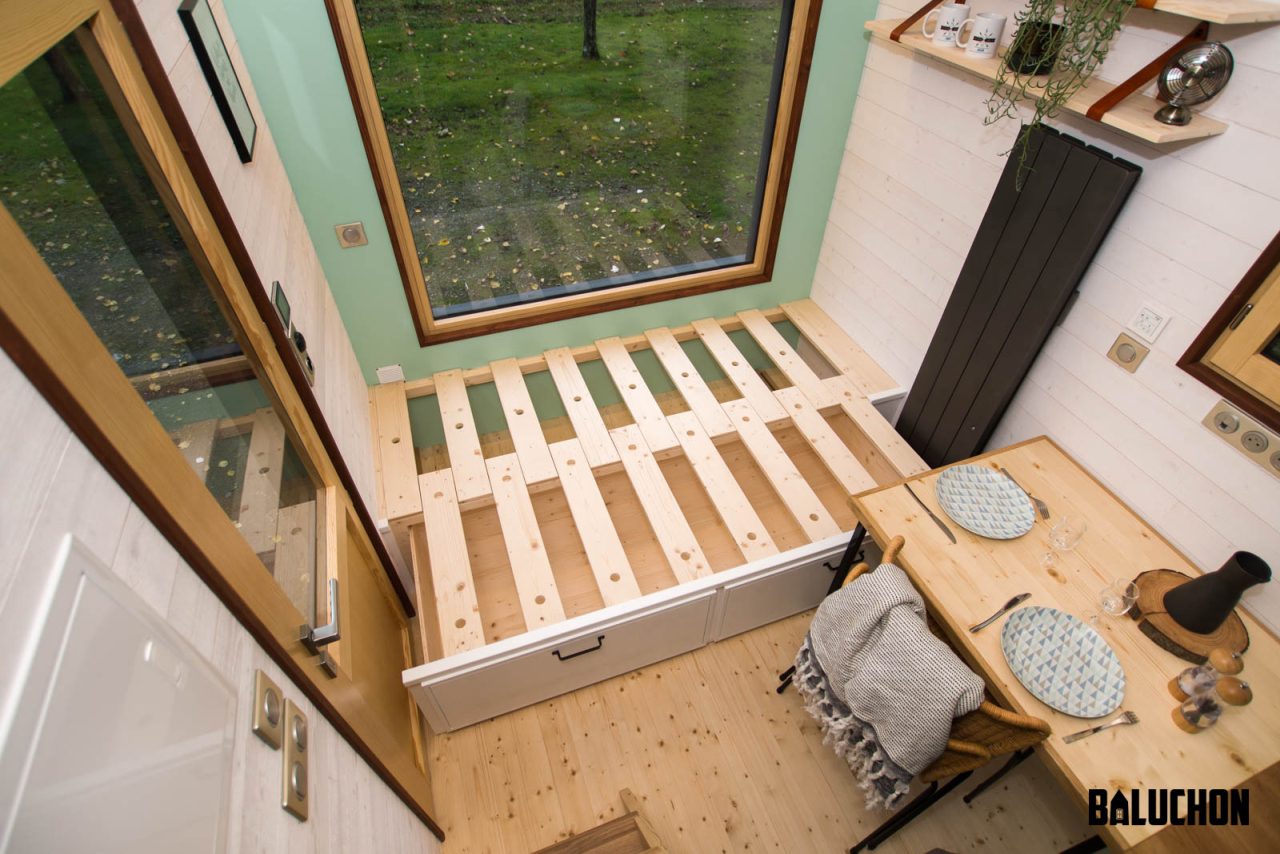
(551, 147)
(71, 178)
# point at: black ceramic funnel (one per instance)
(1203, 604)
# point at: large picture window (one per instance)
(543, 158)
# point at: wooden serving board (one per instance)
(1149, 612)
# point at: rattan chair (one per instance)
(987, 733)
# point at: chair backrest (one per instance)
(982, 735)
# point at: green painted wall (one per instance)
(289, 49)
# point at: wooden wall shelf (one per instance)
(1219, 11)
(1133, 116)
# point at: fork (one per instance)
(1040, 505)
(1123, 720)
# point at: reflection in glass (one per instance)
(71, 178)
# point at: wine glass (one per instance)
(1115, 599)
(1063, 537)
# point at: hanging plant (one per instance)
(1068, 50)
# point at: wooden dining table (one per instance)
(966, 581)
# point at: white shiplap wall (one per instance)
(54, 487)
(918, 172)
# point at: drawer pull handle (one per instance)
(599, 645)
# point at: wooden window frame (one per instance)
(430, 330)
(51, 342)
(1199, 358)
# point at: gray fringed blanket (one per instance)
(884, 689)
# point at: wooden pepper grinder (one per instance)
(1202, 677)
(1201, 711)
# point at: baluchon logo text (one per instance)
(1169, 806)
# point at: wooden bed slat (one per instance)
(739, 370)
(460, 436)
(787, 359)
(792, 488)
(837, 347)
(260, 492)
(882, 438)
(608, 559)
(636, 395)
(396, 456)
(195, 441)
(829, 447)
(660, 506)
(735, 509)
(535, 582)
(453, 587)
(689, 382)
(522, 421)
(583, 414)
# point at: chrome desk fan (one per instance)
(1193, 77)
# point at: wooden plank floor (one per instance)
(720, 763)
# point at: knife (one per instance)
(939, 522)
(1008, 606)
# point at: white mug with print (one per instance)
(949, 17)
(984, 34)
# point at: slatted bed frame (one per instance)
(555, 554)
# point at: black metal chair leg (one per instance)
(849, 558)
(910, 812)
(785, 677)
(1088, 846)
(1016, 759)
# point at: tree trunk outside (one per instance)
(590, 50)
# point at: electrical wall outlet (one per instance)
(351, 234)
(268, 709)
(293, 795)
(1149, 322)
(1245, 435)
(1127, 352)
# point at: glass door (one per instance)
(72, 180)
(123, 304)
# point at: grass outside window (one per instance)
(522, 179)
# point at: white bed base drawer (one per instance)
(771, 596)
(510, 674)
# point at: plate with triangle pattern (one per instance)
(984, 501)
(1063, 661)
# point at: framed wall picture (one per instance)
(211, 51)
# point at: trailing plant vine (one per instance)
(1071, 54)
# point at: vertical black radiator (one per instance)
(1026, 260)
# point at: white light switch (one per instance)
(1149, 322)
